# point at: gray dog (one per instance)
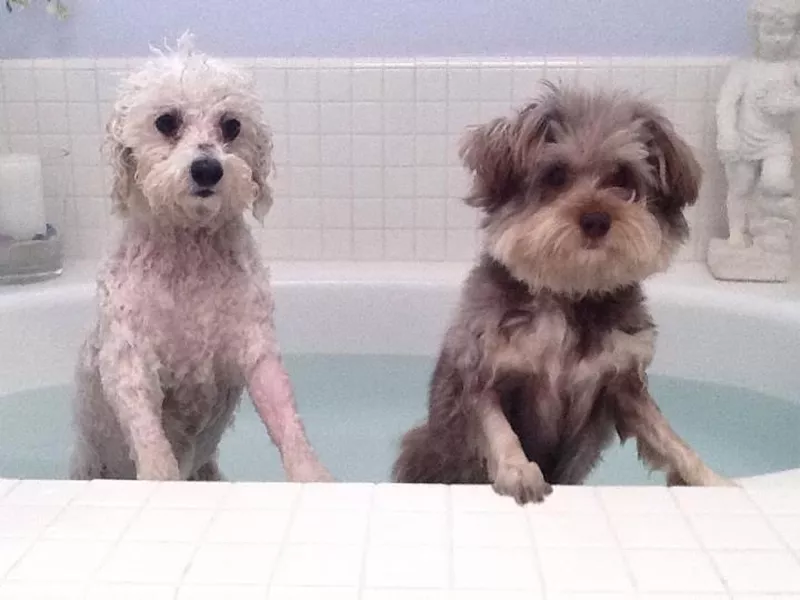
(185, 315)
(583, 196)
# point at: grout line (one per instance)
(448, 160)
(284, 543)
(116, 543)
(101, 123)
(69, 208)
(622, 550)
(794, 553)
(14, 484)
(350, 169)
(450, 543)
(362, 576)
(34, 540)
(317, 167)
(5, 134)
(696, 536)
(200, 542)
(536, 550)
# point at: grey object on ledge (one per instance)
(32, 260)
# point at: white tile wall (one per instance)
(395, 542)
(366, 150)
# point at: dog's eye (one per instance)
(621, 178)
(168, 124)
(556, 176)
(230, 129)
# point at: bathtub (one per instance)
(113, 539)
(743, 335)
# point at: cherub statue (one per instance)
(754, 114)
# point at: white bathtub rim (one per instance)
(685, 281)
(432, 289)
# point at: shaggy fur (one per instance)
(185, 311)
(583, 196)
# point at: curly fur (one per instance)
(148, 173)
(185, 311)
(547, 353)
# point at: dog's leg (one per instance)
(272, 395)
(658, 444)
(662, 448)
(134, 393)
(510, 471)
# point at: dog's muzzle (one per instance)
(206, 173)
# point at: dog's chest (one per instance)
(193, 327)
(196, 415)
(556, 366)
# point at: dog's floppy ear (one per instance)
(487, 151)
(123, 164)
(261, 170)
(499, 151)
(678, 173)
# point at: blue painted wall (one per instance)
(345, 28)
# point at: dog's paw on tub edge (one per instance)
(708, 479)
(524, 482)
(308, 472)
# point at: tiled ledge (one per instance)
(108, 539)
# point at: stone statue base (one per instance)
(729, 263)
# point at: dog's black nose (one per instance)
(206, 171)
(595, 224)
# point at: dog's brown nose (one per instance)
(595, 224)
(206, 171)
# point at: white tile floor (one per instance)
(188, 541)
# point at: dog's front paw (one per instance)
(308, 471)
(711, 479)
(522, 481)
(704, 478)
(674, 479)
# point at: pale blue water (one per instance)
(357, 407)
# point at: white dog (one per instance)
(185, 320)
